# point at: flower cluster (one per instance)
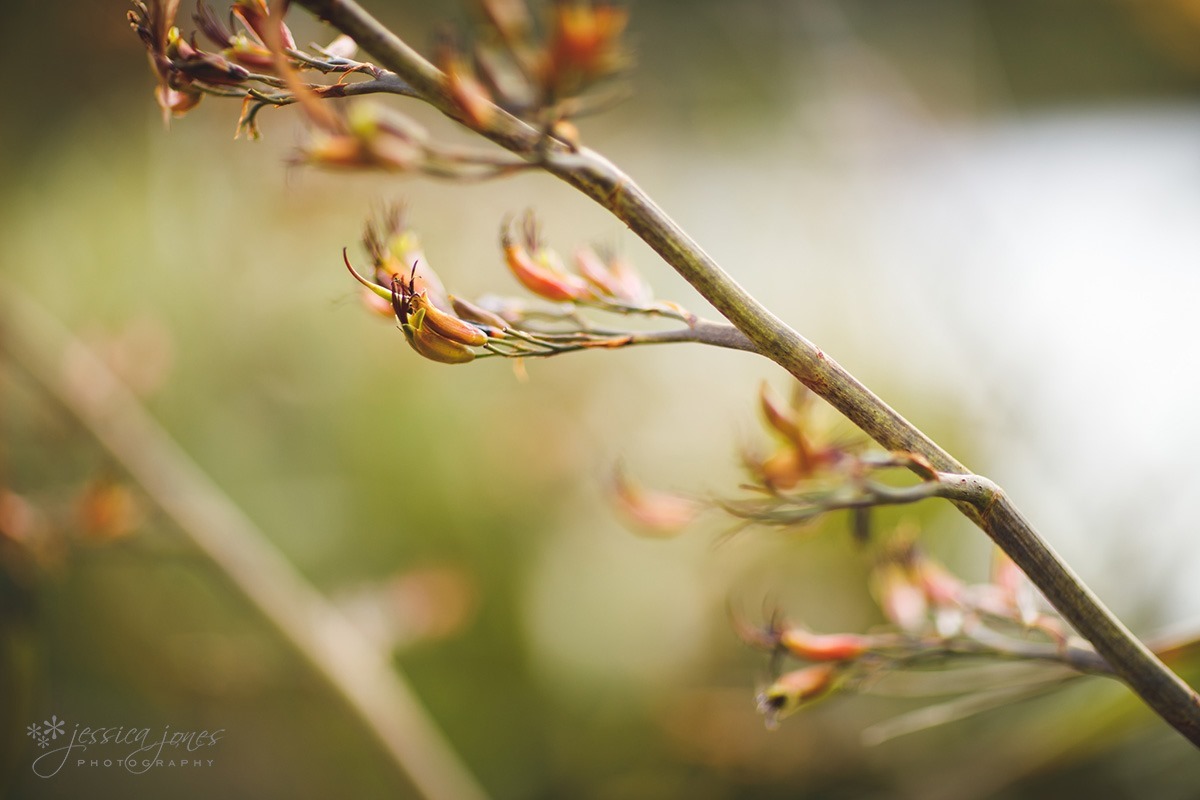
(253, 56)
(936, 623)
(452, 330)
(542, 77)
(934, 619)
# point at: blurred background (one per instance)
(986, 209)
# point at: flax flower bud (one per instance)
(795, 689)
(811, 646)
(583, 43)
(539, 275)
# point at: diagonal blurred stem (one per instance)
(599, 179)
(358, 671)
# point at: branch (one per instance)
(527, 344)
(362, 675)
(386, 83)
(717, 334)
(599, 179)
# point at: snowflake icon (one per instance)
(34, 731)
(43, 741)
(54, 726)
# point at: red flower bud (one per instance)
(538, 277)
(823, 647)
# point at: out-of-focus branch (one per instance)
(358, 671)
(599, 179)
(386, 83)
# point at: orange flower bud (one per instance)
(783, 470)
(583, 43)
(430, 331)
(471, 97)
(795, 689)
(538, 277)
(432, 345)
(446, 325)
(823, 647)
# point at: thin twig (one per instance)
(599, 179)
(356, 669)
(543, 345)
(957, 709)
(386, 83)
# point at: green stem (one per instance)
(599, 179)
